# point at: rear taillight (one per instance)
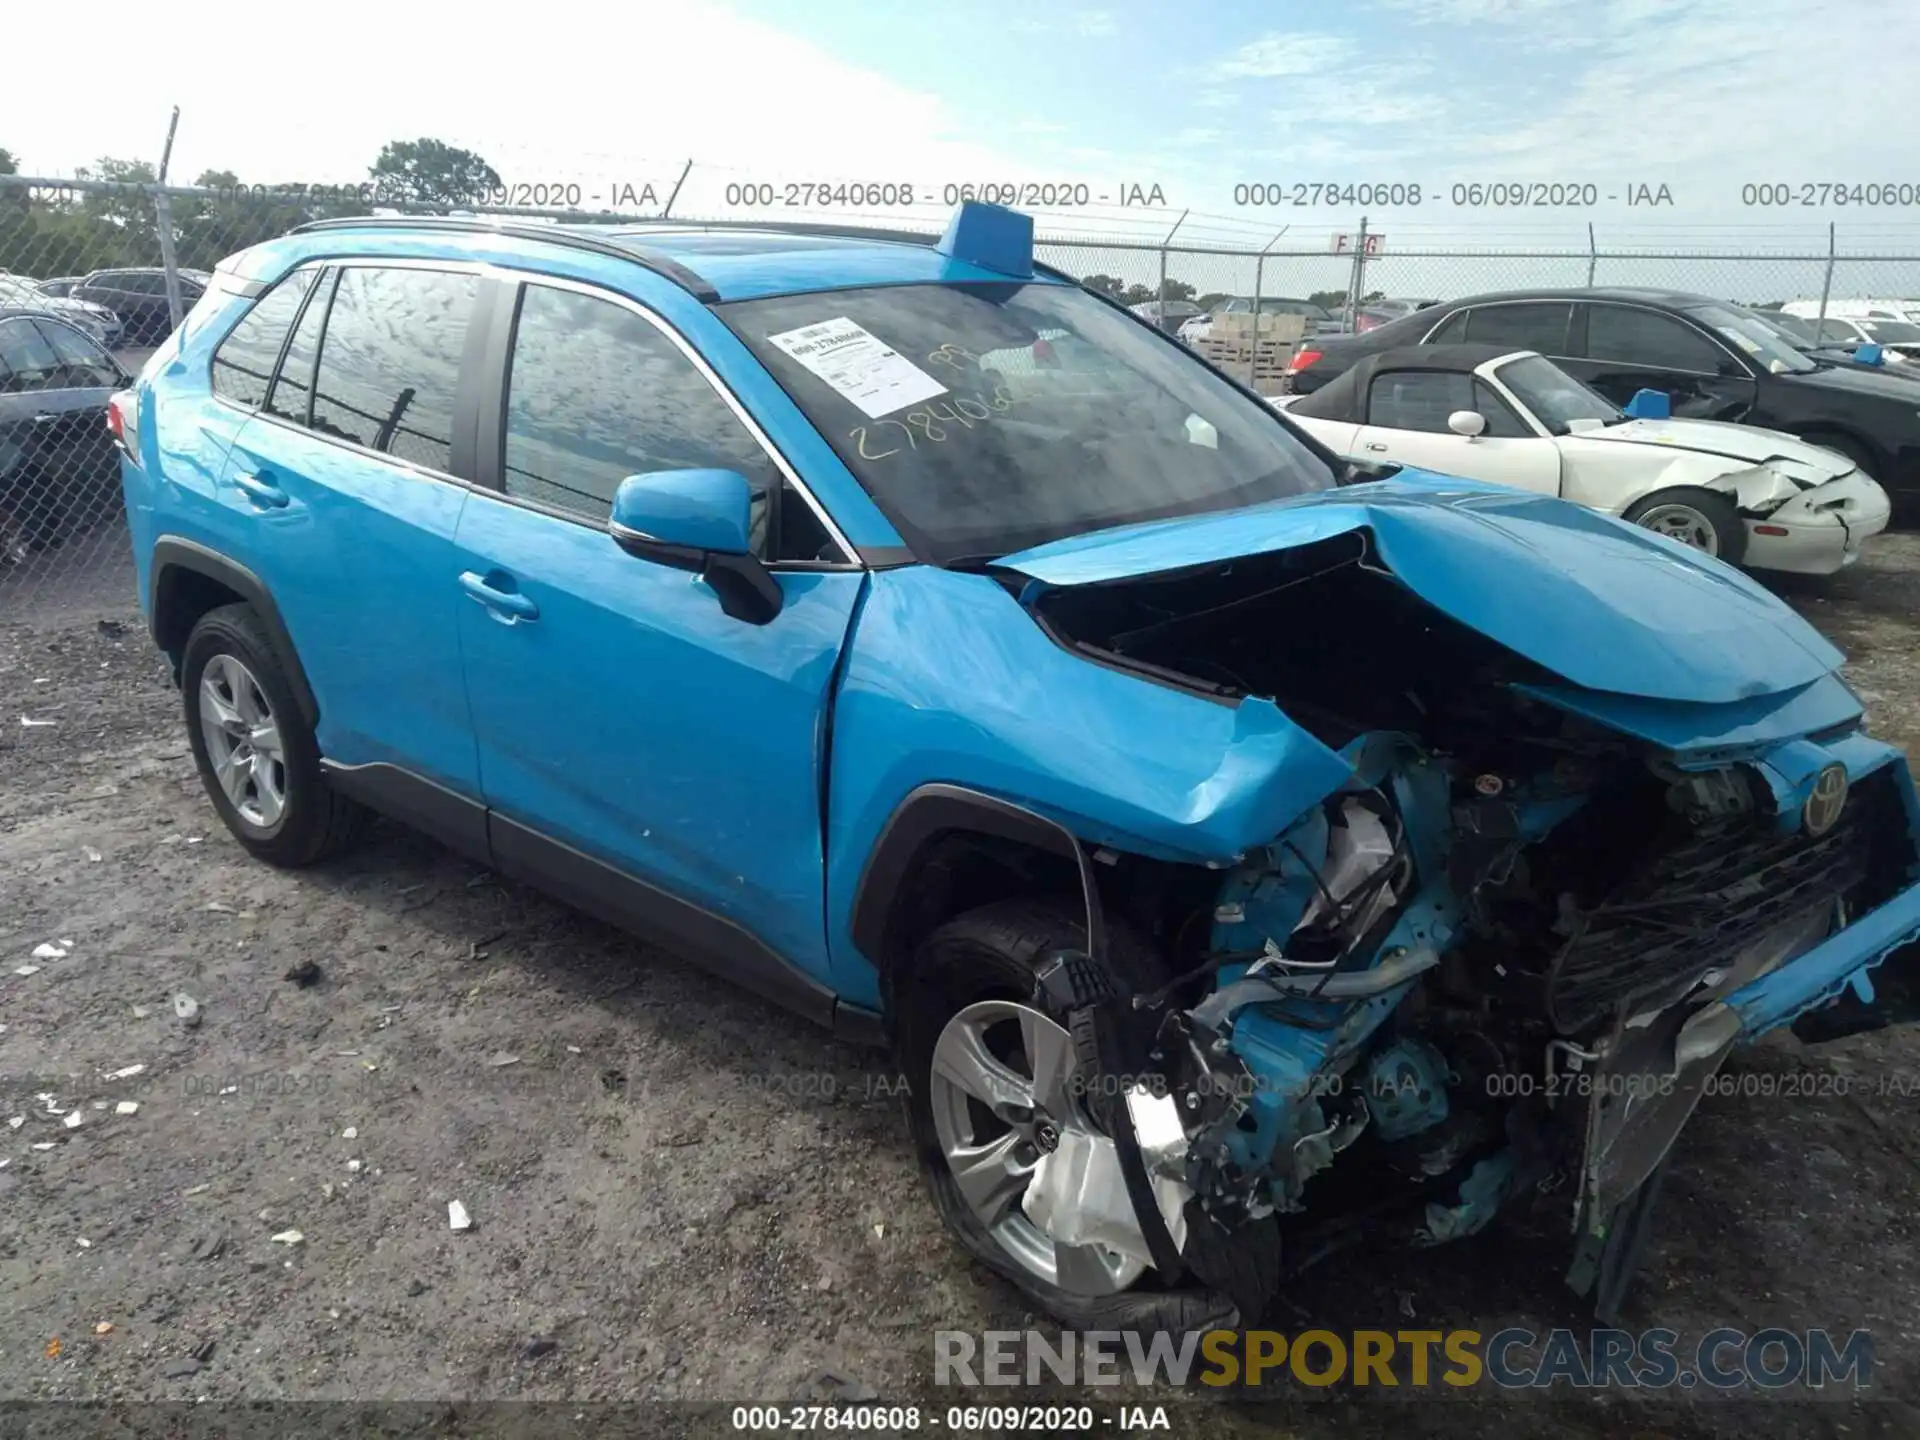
(1300, 360)
(123, 418)
(1364, 324)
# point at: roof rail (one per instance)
(572, 236)
(815, 227)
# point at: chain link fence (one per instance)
(94, 274)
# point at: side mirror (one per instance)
(698, 520)
(1469, 423)
(1649, 405)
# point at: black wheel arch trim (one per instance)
(172, 554)
(938, 808)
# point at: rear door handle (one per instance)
(508, 604)
(267, 497)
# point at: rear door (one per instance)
(1623, 349)
(1407, 413)
(342, 493)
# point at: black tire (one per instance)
(1715, 509)
(992, 953)
(315, 822)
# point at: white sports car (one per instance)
(1752, 497)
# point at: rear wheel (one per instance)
(256, 754)
(1702, 519)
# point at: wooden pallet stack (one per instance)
(1253, 354)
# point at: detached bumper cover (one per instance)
(1826, 527)
(1825, 971)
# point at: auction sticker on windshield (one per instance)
(859, 365)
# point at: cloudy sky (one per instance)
(1699, 95)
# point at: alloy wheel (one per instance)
(244, 745)
(1685, 524)
(1001, 1095)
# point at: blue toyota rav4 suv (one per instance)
(1242, 850)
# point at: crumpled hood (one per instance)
(1606, 605)
(1713, 437)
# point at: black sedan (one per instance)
(1712, 361)
(59, 471)
(139, 298)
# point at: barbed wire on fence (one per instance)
(90, 270)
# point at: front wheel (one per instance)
(993, 1086)
(1702, 519)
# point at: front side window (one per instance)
(390, 361)
(596, 393)
(1418, 399)
(986, 418)
(86, 365)
(1502, 423)
(1626, 336)
(243, 363)
(26, 359)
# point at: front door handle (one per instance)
(266, 496)
(1375, 445)
(508, 604)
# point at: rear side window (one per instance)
(596, 393)
(1452, 330)
(1525, 327)
(243, 365)
(293, 389)
(1645, 337)
(390, 361)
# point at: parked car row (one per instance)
(1229, 839)
(1749, 496)
(58, 470)
(116, 307)
(1712, 360)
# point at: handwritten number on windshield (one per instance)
(927, 421)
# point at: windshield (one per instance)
(1891, 332)
(1754, 338)
(984, 419)
(1792, 326)
(1554, 396)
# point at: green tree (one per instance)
(431, 172)
(1328, 299)
(1106, 285)
(8, 165)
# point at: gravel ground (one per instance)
(678, 1193)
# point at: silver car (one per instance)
(20, 295)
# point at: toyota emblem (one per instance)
(1828, 799)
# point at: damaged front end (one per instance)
(1502, 960)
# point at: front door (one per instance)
(643, 754)
(1407, 415)
(1629, 349)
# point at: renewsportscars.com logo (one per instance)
(1511, 1359)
